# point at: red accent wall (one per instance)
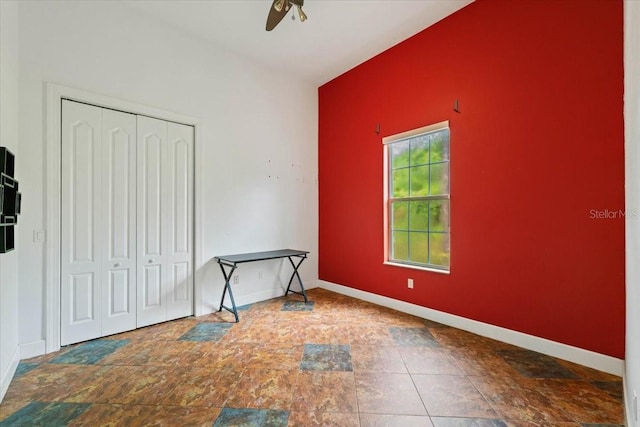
(536, 159)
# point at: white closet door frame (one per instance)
(54, 95)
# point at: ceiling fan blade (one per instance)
(276, 16)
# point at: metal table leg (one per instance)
(295, 274)
(227, 287)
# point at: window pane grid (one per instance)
(413, 245)
(419, 200)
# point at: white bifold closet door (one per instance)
(126, 236)
(98, 222)
(165, 188)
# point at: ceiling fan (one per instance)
(279, 9)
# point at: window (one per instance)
(417, 197)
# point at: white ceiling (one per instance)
(338, 35)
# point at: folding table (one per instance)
(232, 262)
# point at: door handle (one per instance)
(150, 261)
(116, 265)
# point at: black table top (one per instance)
(260, 256)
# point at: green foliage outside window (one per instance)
(419, 199)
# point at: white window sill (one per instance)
(416, 267)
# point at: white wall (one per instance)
(632, 180)
(9, 354)
(258, 141)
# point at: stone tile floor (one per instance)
(336, 361)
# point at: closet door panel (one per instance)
(181, 288)
(152, 287)
(81, 231)
(119, 299)
(82, 298)
(179, 182)
(151, 211)
(152, 200)
(119, 198)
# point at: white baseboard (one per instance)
(32, 349)
(271, 293)
(577, 355)
(311, 284)
(7, 376)
(627, 399)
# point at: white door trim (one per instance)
(55, 93)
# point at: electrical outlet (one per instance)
(410, 283)
(236, 280)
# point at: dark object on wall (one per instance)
(9, 201)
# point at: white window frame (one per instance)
(386, 141)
